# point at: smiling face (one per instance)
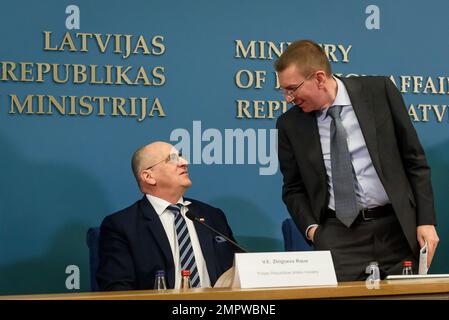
(311, 95)
(164, 173)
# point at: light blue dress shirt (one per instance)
(369, 189)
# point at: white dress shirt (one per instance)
(168, 222)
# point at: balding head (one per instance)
(147, 156)
(161, 171)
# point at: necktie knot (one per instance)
(175, 208)
(334, 111)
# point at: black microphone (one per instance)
(190, 215)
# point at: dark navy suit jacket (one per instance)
(134, 245)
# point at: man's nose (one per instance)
(289, 98)
(182, 162)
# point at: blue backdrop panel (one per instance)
(63, 172)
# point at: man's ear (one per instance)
(147, 177)
(321, 78)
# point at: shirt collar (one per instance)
(160, 205)
(341, 99)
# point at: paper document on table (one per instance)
(423, 259)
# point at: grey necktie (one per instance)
(342, 172)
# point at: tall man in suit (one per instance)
(154, 234)
(355, 177)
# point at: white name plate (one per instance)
(284, 269)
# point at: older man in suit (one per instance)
(154, 234)
(356, 180)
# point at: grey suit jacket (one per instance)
(393, 145)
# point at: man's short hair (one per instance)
(308, 57)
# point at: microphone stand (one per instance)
(201, 221)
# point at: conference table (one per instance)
(429, 288)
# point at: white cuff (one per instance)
(307, 230)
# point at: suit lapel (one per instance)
(304, 125)
(363, 109)
(154, 225)
(206, 239)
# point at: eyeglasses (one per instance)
(290, 92)
(174, 158)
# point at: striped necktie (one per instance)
(186, 255)
(343, 179)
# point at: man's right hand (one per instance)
(311, 233)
